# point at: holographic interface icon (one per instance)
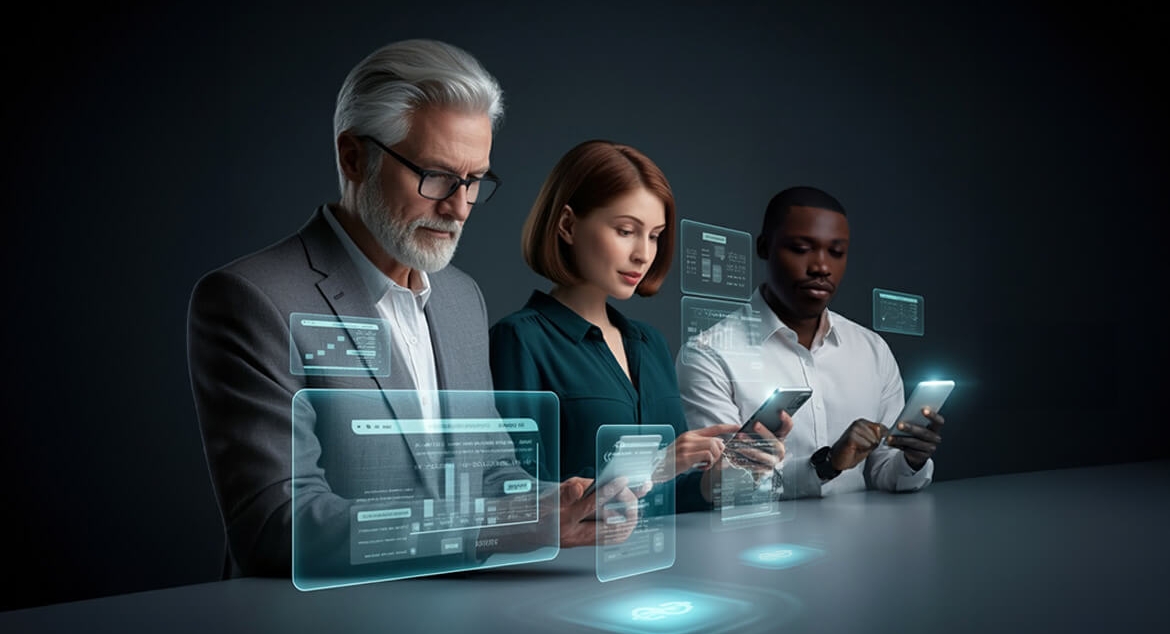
(775, 555)
(673, 606)
(662, 611)
(780, 556)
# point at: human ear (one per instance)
(565, 224)
(351, 157)
(762, 247)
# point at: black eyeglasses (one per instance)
(437, 185)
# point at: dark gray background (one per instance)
(1005, 160)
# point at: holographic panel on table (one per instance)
(643, 456)
(743, 498)
(380, 493)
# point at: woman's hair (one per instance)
(590, 176)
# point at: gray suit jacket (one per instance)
(238, 353)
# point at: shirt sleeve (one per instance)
(706, 388)
(886, 468)
(709, 398)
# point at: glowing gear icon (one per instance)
(662, 610)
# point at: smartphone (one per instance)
(930, 394)
(634, 457)
(782, 399)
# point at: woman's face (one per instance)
(613, 246)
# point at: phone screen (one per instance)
(930, 394)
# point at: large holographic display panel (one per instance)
(380, 492)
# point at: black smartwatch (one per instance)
(820, 462)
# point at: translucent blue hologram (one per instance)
(742, 496)
(635, 535)
(779, 556)
(674, 608)
(718, 327)
(662, 603)
(898, 312)
(716, 261)
(328, 345)
(381, 491)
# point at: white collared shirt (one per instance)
(403, 309)
(850, 369)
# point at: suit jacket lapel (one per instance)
(345, 292)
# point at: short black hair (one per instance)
(800, 196)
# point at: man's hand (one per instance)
(854, 445)
(619, 512)
(700, 448)
(919, 446)
(761, 452)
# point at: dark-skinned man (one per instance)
(789, 337)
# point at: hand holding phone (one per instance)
(782, 399)
(632, 457)
(748, 449)
(921, 436)
(930, 394)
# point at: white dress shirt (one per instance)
(403, 309)
(727, 371)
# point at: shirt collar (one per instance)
(825, 331)
(770, 324)
(376, 282)
(574, 326)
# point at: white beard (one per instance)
(400, 240)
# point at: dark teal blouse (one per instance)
(546, 346)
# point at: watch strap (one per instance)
(823, 465)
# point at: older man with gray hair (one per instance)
(413, 133)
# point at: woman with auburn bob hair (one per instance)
(603, 226)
